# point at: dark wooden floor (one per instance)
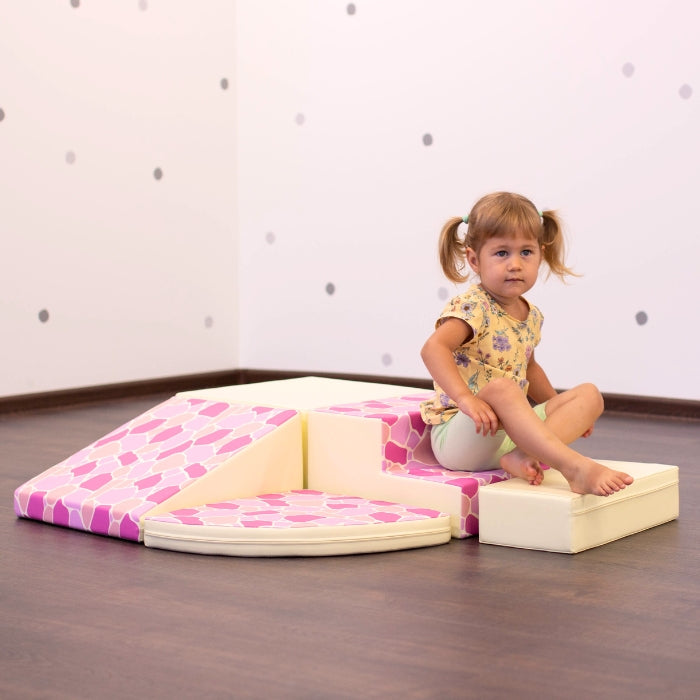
(91, 617)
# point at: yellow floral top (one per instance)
(501, 347)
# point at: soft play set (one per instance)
(315, 466)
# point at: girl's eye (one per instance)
(501, 253)
(527, 252)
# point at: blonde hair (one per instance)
(501, 214)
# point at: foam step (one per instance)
(380, 448)
(296, 523)
(550, 517)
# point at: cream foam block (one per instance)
(550, 517)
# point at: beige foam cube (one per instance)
(550, 517)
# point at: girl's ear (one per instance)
(472, 259)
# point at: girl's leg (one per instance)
(569, 417)
(457, 445)
(573, 412)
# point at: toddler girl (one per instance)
(482, 355)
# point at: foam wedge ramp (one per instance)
(181, 453)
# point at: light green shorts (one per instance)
(458, 446)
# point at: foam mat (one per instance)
(297, 523)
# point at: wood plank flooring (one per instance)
(91, 617)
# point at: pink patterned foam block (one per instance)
(296, 509)
(108, 486)
(407, 451)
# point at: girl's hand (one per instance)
(481, 413)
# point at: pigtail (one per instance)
(553, 245)
(452, 250)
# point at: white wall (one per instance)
(108, 274)
(311, 169)
(589, 107)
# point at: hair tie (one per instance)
(466, 219)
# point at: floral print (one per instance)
(462, 359)
(500, 341)
(500, 347)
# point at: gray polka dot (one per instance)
(208, 322)
(143, 5)
(387, 359)
(43, 315)
(427, 140)
(224, 83)
(641, 317)
(270, 237)
(2, 115)
(75, 3)
(628, 70)
(330, 289)
(351, 8)
(70, 157)
(300, 119)
(442, 293)
(685, 91)
(157, 173)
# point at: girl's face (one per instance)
(507, 265)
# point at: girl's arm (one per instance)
(540, 389)
(437, 354)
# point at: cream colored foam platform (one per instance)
(552, 518)
(301, 393)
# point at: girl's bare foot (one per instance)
(590, 477)
(520, 464)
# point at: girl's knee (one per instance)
(592, 397)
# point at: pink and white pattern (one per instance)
(108, 486)
(302, 508)
(407, 452)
